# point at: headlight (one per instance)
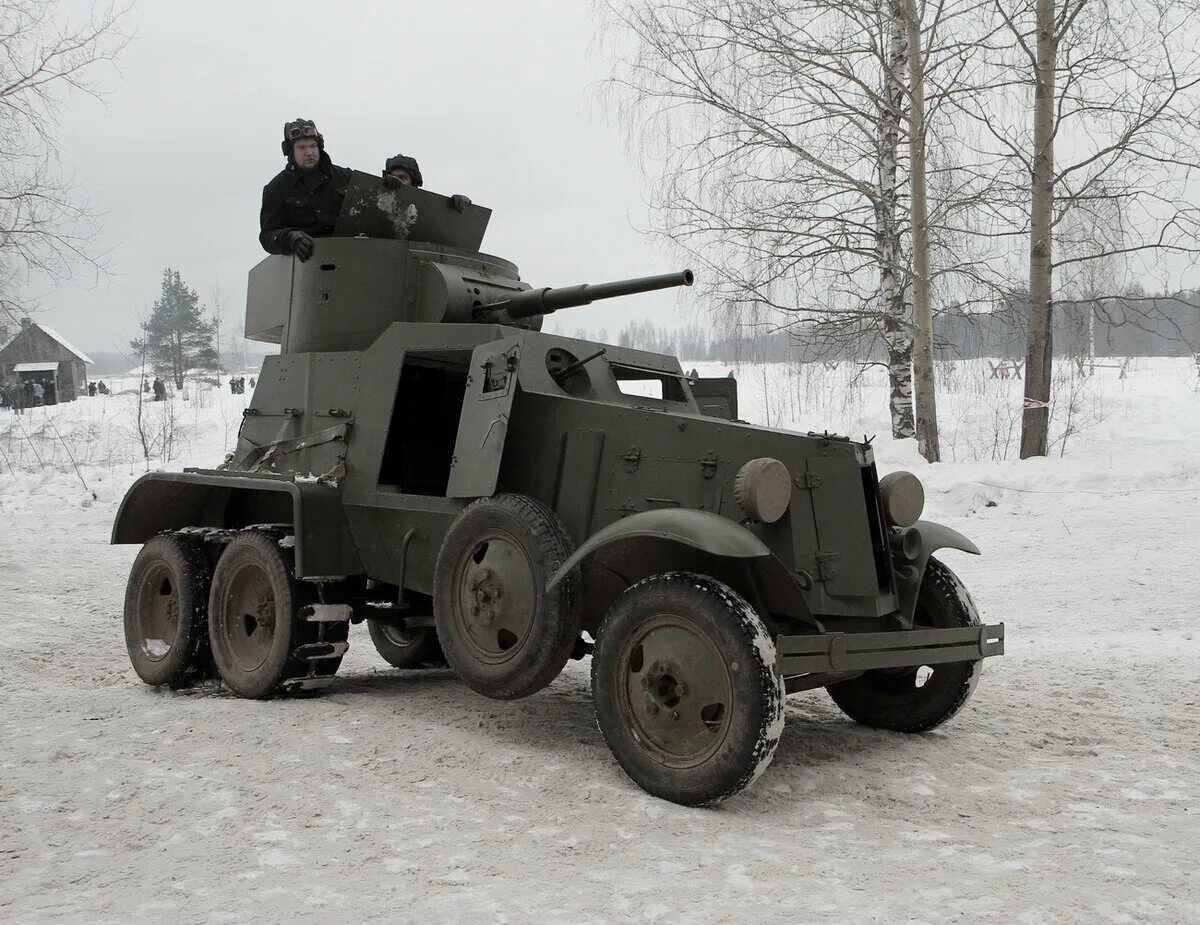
(763, 489)
(903, 498)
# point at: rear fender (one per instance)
(910, 574)
(162, 501)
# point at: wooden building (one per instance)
(39, 354)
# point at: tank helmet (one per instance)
(300, 128)
(406, 163)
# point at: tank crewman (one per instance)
(303, 200)
(406, 170)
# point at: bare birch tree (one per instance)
(781, 138)
(1107, 144)
(46, 227)
(774, 131)
(926, 404)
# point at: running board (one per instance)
(896, 649)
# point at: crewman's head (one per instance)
(405, 168)
(302, 143)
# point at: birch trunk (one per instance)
(1035, 421)
(896, 310)
(926, 401)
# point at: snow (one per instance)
(157, 648)
(1066, 789)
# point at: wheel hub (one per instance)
(678, 691)
(157, 618)
(497, 597)
(249, 618)
(488, 595)
(663, 689)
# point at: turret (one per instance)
(403, 255)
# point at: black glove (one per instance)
(300, 244)
(392, 182)
(460, 202)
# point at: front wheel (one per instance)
(920, 698)
(685, 688)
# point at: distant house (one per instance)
(39, 354)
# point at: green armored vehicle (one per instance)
(421, 456)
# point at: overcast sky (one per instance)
(495, 100)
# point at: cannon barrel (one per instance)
(543, 301)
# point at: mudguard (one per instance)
(701, 530)
(909, 575)
(225, 500)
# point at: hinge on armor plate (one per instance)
(809, 480)
(825, 567)
(633, 459)
(338, 413)
(708, 465)
(294, 412)
(497, 381)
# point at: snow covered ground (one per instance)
(1067, 790)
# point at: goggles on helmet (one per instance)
(295, 130)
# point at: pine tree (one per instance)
(177, 337)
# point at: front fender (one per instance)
(700, 530)
(909, 575)
(214, 498)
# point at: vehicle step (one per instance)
(306, 684)
(326, 613)
(316, 650)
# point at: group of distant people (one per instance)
(303, 200)
(28, 393)
(159, 388)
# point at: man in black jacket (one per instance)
(303, 200)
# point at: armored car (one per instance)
(421, 456)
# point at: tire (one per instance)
(499, 629)
(685, 688)
(253, 625)
(166, 600)
(898, 698)
(415, 648)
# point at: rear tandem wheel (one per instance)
(166, 600)
(260, 644)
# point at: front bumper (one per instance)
(831, 652)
